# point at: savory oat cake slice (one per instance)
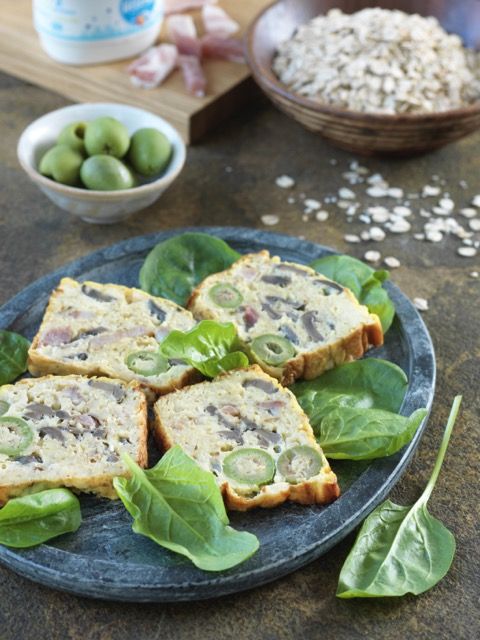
(69, 431)
(252, 434)
(111, 330)
(292, 321)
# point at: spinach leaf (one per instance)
(174, 267)
(363, 281)
(363, 434)
(209, 347)
(400, 549)
(35, 518)
(179, 506)
(13, 355)
(369, 383)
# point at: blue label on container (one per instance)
(136, 11)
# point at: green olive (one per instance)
(226, 296)
(15, 436)
(73, 136)
(106, 173)
(249, 466)
(149, 152)
(272, 349)
(299, 463)
(106, 136)
(147, 363)
(62, 163)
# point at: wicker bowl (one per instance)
(363, 133)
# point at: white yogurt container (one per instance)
(92, 31)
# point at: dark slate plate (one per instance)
(104, 559)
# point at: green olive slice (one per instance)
(225, 295)
(15, 435)
(147, 363)
(249, 466)
(272, 349)
(299, 463)
(4, 406)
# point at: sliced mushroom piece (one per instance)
(293, 269)
(114, 389)
(290, 334)
(328, 284)
(95, 294)
(270, 311)
(279, 281)
(37, 411)
(309, 320)
(156, 311)
(232, 434)
(56, 337)
(52, 432)
(264, 385)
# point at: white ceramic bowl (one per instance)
(101, 207)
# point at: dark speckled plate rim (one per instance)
(96, 581)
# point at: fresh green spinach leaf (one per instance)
(209, 347)
(37, 517)
(179, 506)
(364, 434)
(401, 549)
(174, 267)
(13, 355)
(371, 383)
(363, 281)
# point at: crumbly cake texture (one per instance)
(245, 408)
(90, 329)
(379, 61)
(80, 427)
(321, 319)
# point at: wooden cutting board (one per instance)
(229, 84)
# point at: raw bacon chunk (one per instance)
(217, 22)
(223, 48)
(195, 81)
(154, 66)
(181, 30)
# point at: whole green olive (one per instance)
(62, 163)
(149, 152)
(106, 136)
(106, 173)
(73, 136)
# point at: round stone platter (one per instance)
(105, 559)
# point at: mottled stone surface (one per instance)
(260, 145)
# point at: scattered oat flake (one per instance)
(476, 201)
(447, 204)
(391, 262)
(421, 304)
(372, 256)
(351, 237)
(419, 236)
(468, 212)
(467, 252)
(400, 225)
(377, 234)
(321, 216)
(346, 194)
(434, 236)
(285, 182)
(395, 192)
(312, 204)
(474, 224)
(270, 219)
(402, 211)
(365, 235)
(474, 274)
(377, 192)
(291, 200)
(429, 191)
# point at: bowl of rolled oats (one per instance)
(391, 77)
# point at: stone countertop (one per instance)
(230, 180)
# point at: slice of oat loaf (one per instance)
(92, 329)
(69, 431)
(219, 423)
(319, 323)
